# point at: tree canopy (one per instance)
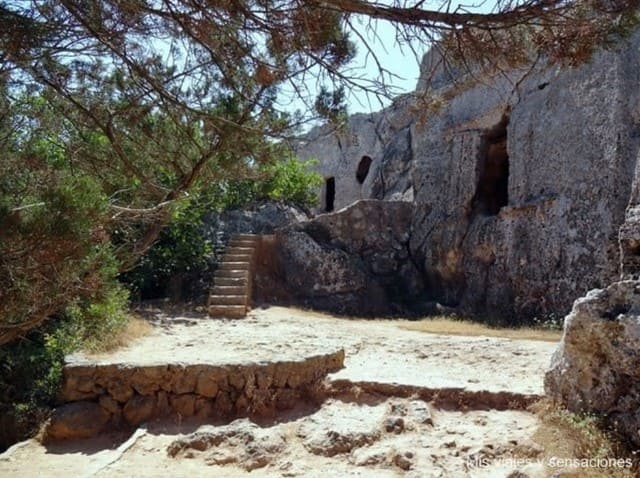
(112, 112)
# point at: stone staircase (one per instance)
(230, 296)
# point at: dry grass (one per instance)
(566, 435)
(443, 325)
(449, 326)
(135, 328)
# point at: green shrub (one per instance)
(291, 181)
(31, 368)
(181, 258)
(95, 324)
(181, 250)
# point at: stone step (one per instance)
(234, 266)
(242, 243)
(227, 300)
(230, 281)
(229, 311)
(251, 237)
(229, 290)
(243, 246)
(239, 250)
(234, 273)
(230, 294)
(237, 257)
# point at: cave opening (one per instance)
(329, 193)
(363, 169)
(492, 191)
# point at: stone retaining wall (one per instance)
(96, 397)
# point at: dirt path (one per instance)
(364, 430)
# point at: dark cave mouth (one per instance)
(492, 190)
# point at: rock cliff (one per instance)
(519, 181)
(355, 261)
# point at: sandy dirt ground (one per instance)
(375, 351)
(367, 434)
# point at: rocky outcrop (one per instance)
(367, 158)
(596, 368)
(257, 218)
(95, 397)
(354, 261)
(242, 443)
(519, 180)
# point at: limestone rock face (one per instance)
(527, 240)
(520, 180)
(596, 368)
(354, 261)
(368, 158)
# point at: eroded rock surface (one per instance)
(519, 180)
(241, 442)
(383, 435)
(597, 365)
(335, 430)
(353, 261)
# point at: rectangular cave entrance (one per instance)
(492, 190)
(329, 193)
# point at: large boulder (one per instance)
(596, 367)
(353, 261)
(76, 420)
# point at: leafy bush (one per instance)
(180, 263)
(182, 250)
(291, 181)
(31, 368)
(95, 324)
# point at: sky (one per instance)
(402, 64)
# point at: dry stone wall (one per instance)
(95, 397)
